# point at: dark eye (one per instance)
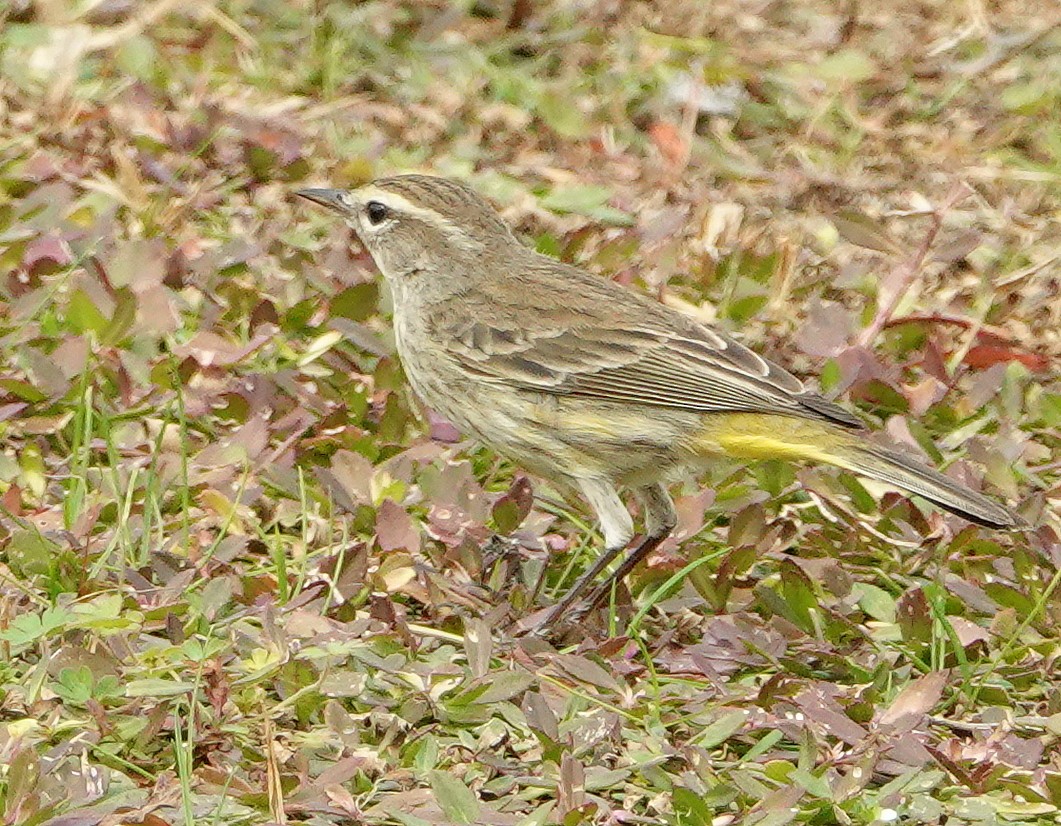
(376, 212)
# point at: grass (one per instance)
(245, 579)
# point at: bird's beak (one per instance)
(327, 198)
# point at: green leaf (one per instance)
(742, 309)
(1026, 98)
(31, 554)
(863, 231)
(722, 729)
(768, 741)
(540, 816)
(598, 780)
(457, 800)
(27, 628)
(690, 808)
(33, 469)
(586, 200)
(815, 785)
(426, 754)
(1050, 409)
(875, 601)
(779, 770)
(122, 319)
(512, 508)
(407, 819)
(722, 794)
(105, 614)
(562, 116)
(138, 57)
(82, 315)
(153, 687)
(774, 475)
(847, 66)
(830, 375)
(1010, 597)
(22, 390)
(798, 592)
(319, 346)
(75, 685)
(358, 303)
(885, 397)
(506, 516)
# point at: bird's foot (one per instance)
(501, 559)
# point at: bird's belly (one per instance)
(553, 436)
(561, 437)
(628, 443)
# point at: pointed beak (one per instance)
(327, 198)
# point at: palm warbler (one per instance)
(589, 384)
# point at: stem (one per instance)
(906, 272)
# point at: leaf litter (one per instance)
(245, 577)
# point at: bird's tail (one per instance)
(904, 472)
(758, 436)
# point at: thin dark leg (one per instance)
(660, 520)
(584, 581)
(640, 551)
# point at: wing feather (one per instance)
(665, 359)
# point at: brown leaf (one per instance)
(540, 716)
(914, 701)
(914, 616)
(982, 356)
(968, 632)
(513, 506)
(46, 255)
(571, 791)
(958, 248)
(827, 329)
(354, 472)
(863, 231)
(442, 430)
(212, 349)
(669, 141)
(586, 671)
(827, 712)
(478, 646)
(395, 529)
(139, 264)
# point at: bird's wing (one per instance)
(662, 359)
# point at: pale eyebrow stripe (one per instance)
(399, 203)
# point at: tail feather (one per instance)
(758, 436)
(894, 468)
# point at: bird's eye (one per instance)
(376, 212)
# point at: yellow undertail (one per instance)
(764, 436)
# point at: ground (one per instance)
(245, 578)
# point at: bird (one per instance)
(589, 384)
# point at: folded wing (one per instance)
(667, 360)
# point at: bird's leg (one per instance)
(618, 529)
(584, 581)
(660, 520)
(499, 551)
(647, 545)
